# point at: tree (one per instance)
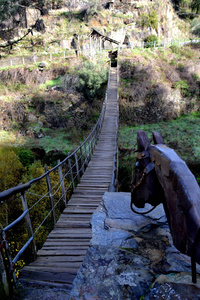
(195, 5)
(10, 168)
(10, 175)
(13, 16)
(8, 8)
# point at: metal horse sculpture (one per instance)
(161, 176)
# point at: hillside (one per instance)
(159, 91)
(46, 112)
(41, 107)
(125, 21)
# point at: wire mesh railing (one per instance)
(88, 50)
(160, 44)
(44, 198)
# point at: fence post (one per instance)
(28, 222)
(48, 179)
(62, 184)
(11, 63)
(77, 167)
(71, 173)
(90, 46)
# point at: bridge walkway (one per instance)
(62, 254)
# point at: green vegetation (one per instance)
(92, 79)
(51, 83)
(175, 134)
(21, 165)
(195, 26)
(151, 41)
(147, 79)
(195, 5)
(149, 20)
(183, 86)
(23, 154)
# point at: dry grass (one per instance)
(159, 85)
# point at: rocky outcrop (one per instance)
(132, 257)
(168, 27)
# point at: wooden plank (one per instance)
(79, 211)
(68, 235)
(72, 230)
(66, 265)
(49, 276)
(68, 225)
(30, 281)
(57, 259)
(51, 268)
(61, 252)
(65, 247)
(83, 203)
(67, 242)
(72, 225)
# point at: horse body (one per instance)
(170, 182)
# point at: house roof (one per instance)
(104, 37)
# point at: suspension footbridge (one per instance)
(62, 254)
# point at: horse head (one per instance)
(145, 186)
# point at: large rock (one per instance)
(132, 256)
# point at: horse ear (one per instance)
(157, 138)
(142, 141)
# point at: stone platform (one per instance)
(132, 257)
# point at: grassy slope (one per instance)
(181, 133)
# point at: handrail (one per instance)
(16, 221)
(113, 184)
(72, 170)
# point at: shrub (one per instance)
(183, 86)
(175, 49)
(151, 40)
(92, 78)
(26, 156)
(195, 26)
(149, 20)
(10, 168)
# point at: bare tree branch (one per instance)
(11, 43)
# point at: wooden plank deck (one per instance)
(62, 254)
